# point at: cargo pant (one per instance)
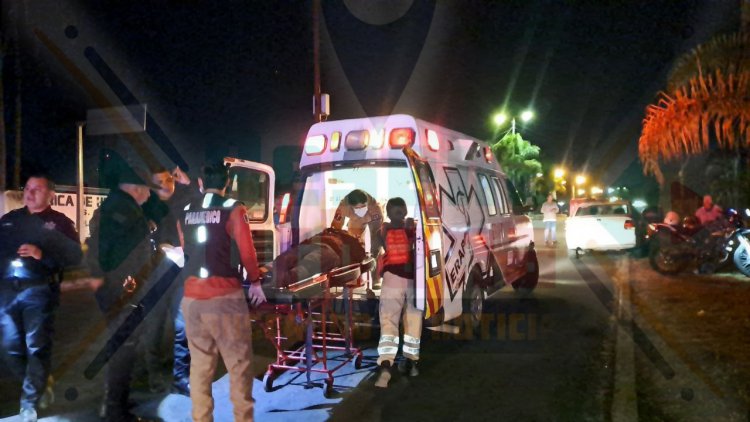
(397, 297)
(220, 326)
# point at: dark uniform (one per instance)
(126, 258)
(30, 292)
(165, 215)
(216, 313)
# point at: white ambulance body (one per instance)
(471, 231)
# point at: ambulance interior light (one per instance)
(402, 137)
(315, 145)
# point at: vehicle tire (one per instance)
(742, 259)
(473, 301)
(664, 260)
(525, 285)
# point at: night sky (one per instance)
(236, 77)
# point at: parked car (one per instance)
(601, 226)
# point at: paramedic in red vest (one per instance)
(362, 211)
(217, 321)
(398, 294)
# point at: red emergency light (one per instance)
(629, 224)
(402, 137)
(488, 154)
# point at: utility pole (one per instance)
(316, 61)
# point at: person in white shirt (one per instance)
(549, 213)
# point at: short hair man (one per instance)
(37, 244)
(217, 318)
(709, 211)
(362, 211)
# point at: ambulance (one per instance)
(472, 234)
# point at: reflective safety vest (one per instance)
(397, 247)
(207, 242)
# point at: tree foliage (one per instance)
(517, 156)
(707, 104)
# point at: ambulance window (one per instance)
(502, 198)
(489, 196)
(432, 209)
(251, 188)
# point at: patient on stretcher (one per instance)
(321, 253)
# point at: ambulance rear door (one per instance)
(253, 184)
(429, 257)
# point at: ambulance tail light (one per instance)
(284, 208)
(315, 145)
(629, 224)
(400, 138)
(432, 140)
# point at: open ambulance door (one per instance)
(253, 184)
(429, 256)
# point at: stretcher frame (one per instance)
(310, 302)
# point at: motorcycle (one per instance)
(676, 247)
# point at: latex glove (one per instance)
(256, 295)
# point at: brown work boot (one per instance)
(384, 374)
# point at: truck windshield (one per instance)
(323, 191)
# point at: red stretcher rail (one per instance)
(310, 301)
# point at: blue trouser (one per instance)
(26, 327)
(550, 231)
(181, 369)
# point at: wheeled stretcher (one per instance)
(325, 332)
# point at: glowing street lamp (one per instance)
(559, 173)
(596, 190)
(501, 118)
(580, 180)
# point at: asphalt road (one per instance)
(567, 352)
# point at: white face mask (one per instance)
(360, 212)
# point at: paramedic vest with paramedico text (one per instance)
(208, 245)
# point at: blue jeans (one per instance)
(550, 231)
(26, 327)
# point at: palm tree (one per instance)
(707, 103)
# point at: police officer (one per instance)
(37, 243)
(164, 207)
(362, 211)
(125, 255)
(216, 313)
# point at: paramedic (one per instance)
(398, 294)
(37, 244)
(362, 211)
(217, 318)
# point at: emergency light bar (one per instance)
(315, 145)
(400, 138)
(378, 139)
(488, 154)
(357, 140)
(432, 140)
(335, 141)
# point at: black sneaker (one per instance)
(409, 367)
(384, 375)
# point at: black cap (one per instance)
(136, 175)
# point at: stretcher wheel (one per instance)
(268, 382)
(328, 390)
(358, 361)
